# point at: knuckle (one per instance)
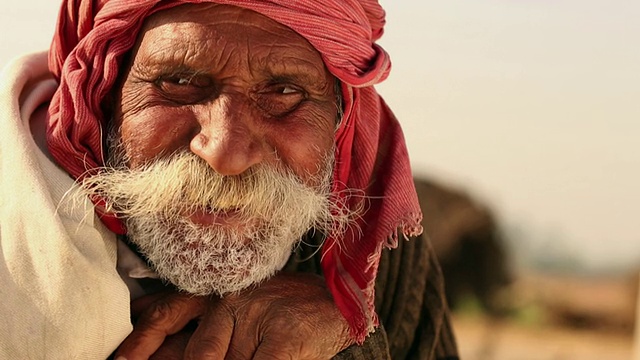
(225, 308)
(205, 348)
(161, 313)
(238, 352)
(277, 352)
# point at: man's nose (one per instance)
(229, 140)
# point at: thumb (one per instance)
(164, 317)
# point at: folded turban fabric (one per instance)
(86, 56)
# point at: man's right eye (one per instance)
(186, 89)
(278, 99)
(181, 81)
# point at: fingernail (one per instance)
(121, 358)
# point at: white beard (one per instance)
(275, 210)
(214, 259)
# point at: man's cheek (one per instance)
(134, 98)
(156, 132)
(306, 151)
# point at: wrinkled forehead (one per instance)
(211, 13)
(216, 24)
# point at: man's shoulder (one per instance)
(26, 88)
(19, 73)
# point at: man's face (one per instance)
(230, 85)
(226, 120)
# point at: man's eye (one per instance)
(279, 99)
(182, 81)
(187, 89)
(285, 90)
(166, 82)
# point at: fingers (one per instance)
(173, 346)
(270, 352)
(141, 304)
(165, 317)
(212, 337)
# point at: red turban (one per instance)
(86, 55)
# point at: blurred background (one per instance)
(522, 120)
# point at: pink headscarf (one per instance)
(86, 56)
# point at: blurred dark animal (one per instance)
(468, 244)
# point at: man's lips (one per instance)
(228, 217)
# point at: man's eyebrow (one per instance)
(151, 68)
(288, 69)
(297, 71)
(294, 77)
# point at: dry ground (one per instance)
(481, 338)
(555, 318)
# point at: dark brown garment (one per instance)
(410, 302)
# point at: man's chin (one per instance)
(218, 281)
(205, 260)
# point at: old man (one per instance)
(236, 151)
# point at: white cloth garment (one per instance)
(60, 293)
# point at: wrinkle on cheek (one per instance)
(143, 145)
(133, 99)
(306, 140)
(157, 131)
(135, 137)
(321, 119)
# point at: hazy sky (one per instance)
(532, 105)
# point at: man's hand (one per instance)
(291, 316)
